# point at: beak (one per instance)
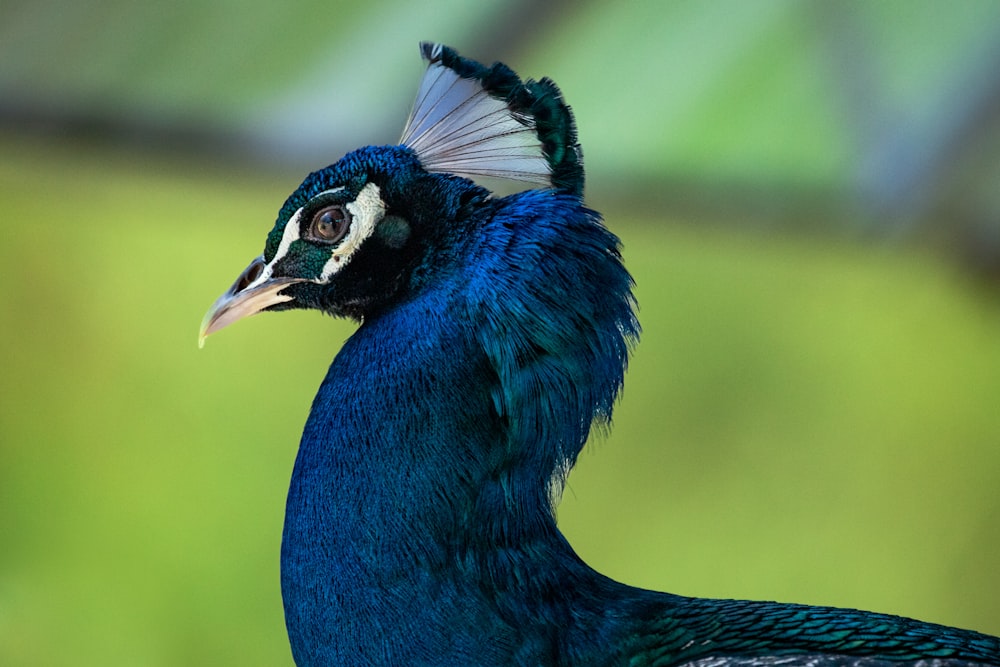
(248, 296)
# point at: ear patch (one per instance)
(394, 231)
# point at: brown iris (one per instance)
(329, 224)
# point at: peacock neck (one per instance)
(398, 486)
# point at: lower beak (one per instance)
(246, 297)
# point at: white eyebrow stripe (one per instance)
(367, 211)
(289, 236)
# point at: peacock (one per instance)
(494, 334)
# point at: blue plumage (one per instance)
(494, 334)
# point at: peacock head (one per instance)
(346, 239)
(340, 243)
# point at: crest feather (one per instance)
(472, 120)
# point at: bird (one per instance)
(493, 336)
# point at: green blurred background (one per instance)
(808, 197)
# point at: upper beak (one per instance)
(248, 296)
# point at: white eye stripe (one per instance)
(290, 235)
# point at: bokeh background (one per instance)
(808, 196)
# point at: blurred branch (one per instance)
(904, 161)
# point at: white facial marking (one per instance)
(290, 235)
(367, 211)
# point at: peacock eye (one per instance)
(329, 224)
